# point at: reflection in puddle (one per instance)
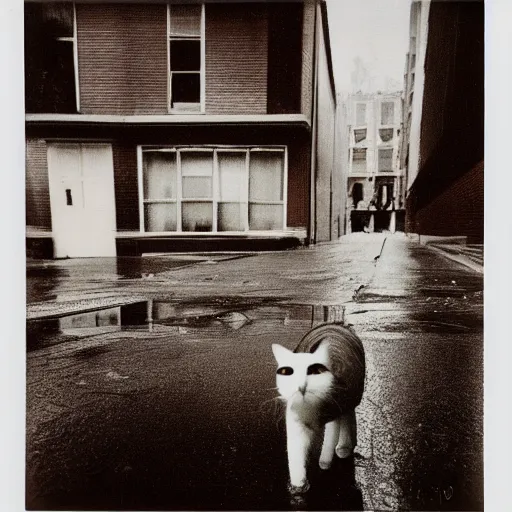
(146, 315)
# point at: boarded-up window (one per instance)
(385, 160)
(359, 135)
(185, 48)
(386, 134)
(387, 112)
(359, 160)
(360, 114)
(49, 58)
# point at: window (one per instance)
(186, 54)
(213, 189)
(51, 81)
(387, 112)
(385, 160)
(359, 160)
(359, 135)
(357, 194)
(360, 114)
(386, 134)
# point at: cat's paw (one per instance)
(344, 452)
(298, 489)
(325, 464)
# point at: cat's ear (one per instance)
(280, 353)
(322, 352)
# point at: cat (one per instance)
(321, 382)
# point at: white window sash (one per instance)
(201, 72)
(244, 201)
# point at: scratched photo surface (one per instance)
(207, 184)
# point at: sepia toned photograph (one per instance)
(254, 245)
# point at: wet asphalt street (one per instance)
(150, 382)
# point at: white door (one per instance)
(81, 179)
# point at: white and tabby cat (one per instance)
(321, 381)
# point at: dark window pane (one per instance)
(49, 63)
(185, 55)
(386, 134)
(57, 18)
(60, 82)
(186, 88)
(359, 135)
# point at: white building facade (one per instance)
(373, 126)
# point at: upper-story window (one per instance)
(387, 112)
(386, 134)
(385, 160)
(51, 81)
(360, 114)
(186, 57)
(359, 160)
(359, 135)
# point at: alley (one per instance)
(150, 380)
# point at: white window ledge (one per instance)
(288, 233)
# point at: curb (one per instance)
(461, 260)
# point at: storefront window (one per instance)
(213, 189)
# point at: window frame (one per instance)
(215, 199)
(382, 124)
(365, 139)
(73, 39)
(356, 124)
(362, 150)
(202, 70)
(386, 171)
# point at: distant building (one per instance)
(372, 135)
(443, 144)
(179, 126)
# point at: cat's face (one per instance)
(303, 378)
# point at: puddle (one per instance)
(147, 315)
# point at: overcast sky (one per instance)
(375, 32)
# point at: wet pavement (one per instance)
(153, 389)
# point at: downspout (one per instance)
(312, 183)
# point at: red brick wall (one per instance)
(126, 186)
(122, 58)
(236, 58)
(299, 158)
(458, 211)
(308, 38)
(37, 191)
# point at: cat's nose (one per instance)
(302, 389)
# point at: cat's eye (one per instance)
(285, 370)
(317, 369)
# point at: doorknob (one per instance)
(69, 199)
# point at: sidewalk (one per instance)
(456, 249)
(327, 273)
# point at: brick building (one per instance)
(443, 118)
(164, 126)
(372, 135)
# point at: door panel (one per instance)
(82, 199)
